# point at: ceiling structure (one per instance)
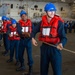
(65, 1)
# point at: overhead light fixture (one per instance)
(74, 1)
(63, 0)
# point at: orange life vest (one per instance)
(26, 26)
(4, 26)
(13, 32)
(8, 22)
(49, 31)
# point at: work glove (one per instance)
(26, 34)
(16, 35)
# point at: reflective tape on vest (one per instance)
(46, 31)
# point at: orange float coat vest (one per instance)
(13, 33)
(4, 26)
(49, 31)
(26, 26)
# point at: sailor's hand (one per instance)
(10, 35)
(34, 42)
(16, 35)
(60, 46)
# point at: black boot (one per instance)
(17, 63)
(10, 60)
(4, 52)
(30, 70)
(21, 68)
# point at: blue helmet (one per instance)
(23, 12)
(49, 7)
(8, 18)
(13, 21)
(4, 18)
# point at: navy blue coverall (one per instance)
(6, 42)
(25, 43)
(14, 45)
(51, 54)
